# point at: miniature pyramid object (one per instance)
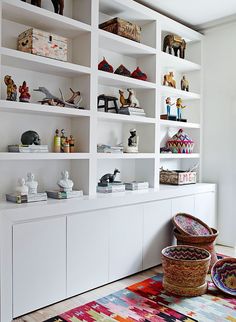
(122, 70)
(138, 74)
(105, 66)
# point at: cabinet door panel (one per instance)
(205, 208)
(183, 204)
(157, 231)
(87, 251)
(39, 264)
(125, 252)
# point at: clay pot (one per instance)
(185, 269)
(205, 242)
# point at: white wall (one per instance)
(219, 115)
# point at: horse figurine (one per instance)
(57, 4)
(184, 84)
(123, 101)
(169, 80)
(109, 178)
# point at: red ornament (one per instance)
(138, 74)
(105, 66)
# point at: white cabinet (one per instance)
(39, 264)
(205, 208)
(157, 231)
(125, 239)
(183, 204)
(87, 251)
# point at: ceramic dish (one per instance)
(223, 275)
(189, 225)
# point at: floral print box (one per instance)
(42, 43)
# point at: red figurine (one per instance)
(24, 93)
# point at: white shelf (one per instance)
(123, 45)
(125, 155)
(173, 92)
(167, 123)
(18, 59)
(26, 14)
(33, 108)
(178, 64)
(5, 156)
(125, 118)
(114, 80)
(179, 156)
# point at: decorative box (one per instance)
(122, 28)
(177, 177)
(180, 143)
(41, 43)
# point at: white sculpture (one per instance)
(65, 183)
(31, 183)
(133, 142)
(22, 188)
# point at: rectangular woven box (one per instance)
(44, 44)
(177, 177)
(122, 28)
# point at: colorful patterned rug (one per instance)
(146, 301)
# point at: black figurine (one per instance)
(30, 137)
(109, 178)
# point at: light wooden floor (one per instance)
(51, 311)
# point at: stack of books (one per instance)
(28, 148)
(132, 111)
(110, 187)
(36, 197)
(136, 185)
(64, 195)
(102, 148)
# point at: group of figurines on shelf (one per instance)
(73, 101)
(108, 184)
(122, 70)
(179, 107)
(129, 104)
(27, 190)
(62, 143)
(169, 80)
(58, 5)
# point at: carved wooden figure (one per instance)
(57, 4)
(35, 2)
(176, 43)
(169, 80)
(184, 84)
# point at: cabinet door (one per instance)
(205, 208)
(125, 251)
(39, 264)
(87, 251)
(183, 204)
(157, 231)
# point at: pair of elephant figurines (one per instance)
(57, 4)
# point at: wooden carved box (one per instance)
(122, 28)
(42, 43)
(177, 177)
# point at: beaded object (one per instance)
(138, 74)
(105, 66)
(180, 143)
(223, 275)
(190, 225)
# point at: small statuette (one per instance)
(65, 183)
(109, 177)
(11, 88)
(72, 144)
(31, 183)
(133, 142)
(24, 93)
(168, 106)
(30, 137)
(63, 139)
(22, 188)
(66, 146)
(180, 106)
(169, 80)
(184, 84)
(57, 142)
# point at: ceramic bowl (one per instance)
(223, 275)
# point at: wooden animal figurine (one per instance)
(76, 97)
(184, 84)
(176, 43)
(179, 106)
(169, 80)
(24, 93)
(109, 178)
(11, 88)
(58, 6)
(123, 101)
(133, 101)
(34, 2)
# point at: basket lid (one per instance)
(192, 226)
(181, 136)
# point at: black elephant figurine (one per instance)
(57, 4)
(176, 43)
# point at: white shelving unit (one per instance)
(87, 45)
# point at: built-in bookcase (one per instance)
(87, 45)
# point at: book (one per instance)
(16, 198)
(136, 185)
(111, 188)
(109, 184)
(132, 111)
(55, 194)
(102, 148)
(28, 148)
